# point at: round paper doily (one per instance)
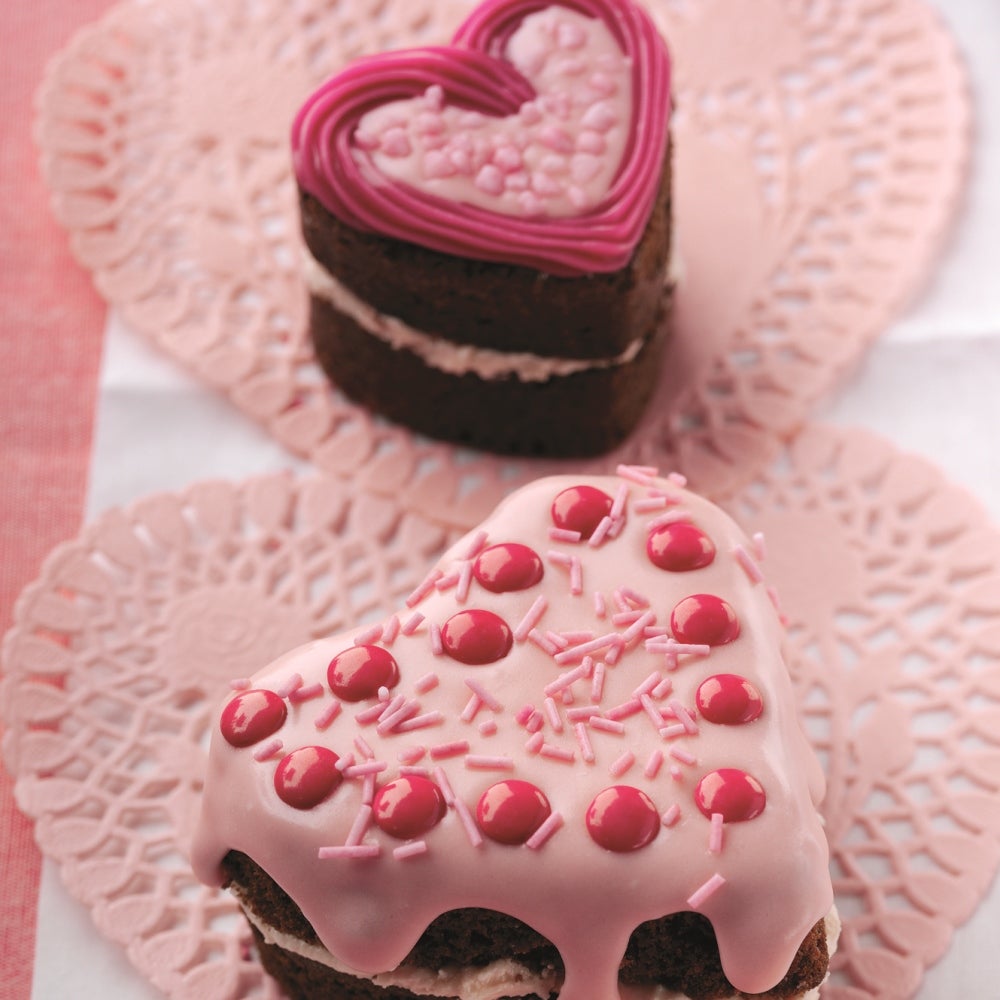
(121, 650)
(819, 149)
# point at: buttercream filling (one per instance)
(445, 355)
(503, 978)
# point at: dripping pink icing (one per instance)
(472, 81)
(548, 731)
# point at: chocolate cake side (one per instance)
(678, 951)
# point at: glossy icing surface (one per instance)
(536, 138)
(585, 789)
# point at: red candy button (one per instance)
(252, 716)
(511, 566)
(729, 700)
(408, 807)
(476, 637)
(307, 776)
(581, 508)
(622, 818)
(360, 671)
(704, 619)
(680, 547)
(735, 794)
(509, 812)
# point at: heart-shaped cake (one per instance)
(488, 225)
(569, 766)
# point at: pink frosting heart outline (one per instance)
(473, 74)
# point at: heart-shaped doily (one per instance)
(819, 151)
(120, 653)
(628, 76)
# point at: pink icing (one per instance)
(523, 749)
(478, 161)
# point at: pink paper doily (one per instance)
(122, 649)
(820, 150)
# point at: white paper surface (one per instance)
(931, 385)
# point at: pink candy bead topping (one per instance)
(509, 812)
(252, 716)
(307, 776)
(622, 818)
(408, 807)
(581, 508)
(359, 672)
(733, 793)
(680, 547)
(476, 637)
(729, 700)
(508, 567)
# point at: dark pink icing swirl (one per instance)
(473, 75)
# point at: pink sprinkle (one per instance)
(747, 564)
(383, 693)
(523, 714)
(476, 544)
(640, 474)
(453, 749)
(472, 706)
(715, 834)
(636, 628)
(583, 713)
(653, 765)
(670, 517)
(563, 681)
(702, 894)
(368, 636)
(576, 653)
(576, 576)
(447, 581)
(415, 769)
(628, 708)
(426, 683)
(380, 709)
(759, 547)
(326, 717)
(552, 711)
(772, 593)
(488, 727)
(600, 605)
(488, 699)
(369, 767)
(618, 506)
(669, 732)
(678, 479)
(306, 693)
(471, 830)
(635, 598)
(676, 773)
(359, 827)
(617, 527)
(445, 785)
(543, 642)
(549, 826)
(551, 752)
(564, 535)
(485, 762)
(671, 815)
(597, 684)
(648, 684)
(655, 631)
(368, 790)
(292, 684)
(603, 527)
(531, 619)
(622, 764)
(269, 749)
(411, 755)
(350, 851)
(424, 589)
(679, 753)
(534, 744)
(437, 646)
(413, 623)
(344, 763)
(420, 722)
(391, 630)
(391, 721)
(410, 850)
(464, 582)
(559, 558)
(662, 689)
(651, 504)
(240, 684)
(361, 745)
(535, 722)
(578, 636)
(684, 716)
(583, 738)
(557, 640)
(607, 725)
(621, 604)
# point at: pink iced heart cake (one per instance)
(568, 767)
(487, 226)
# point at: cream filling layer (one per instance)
(442, 354)
(503, 978)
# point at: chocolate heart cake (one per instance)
(569, 767)
(487, 226)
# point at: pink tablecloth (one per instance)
(51, 327)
